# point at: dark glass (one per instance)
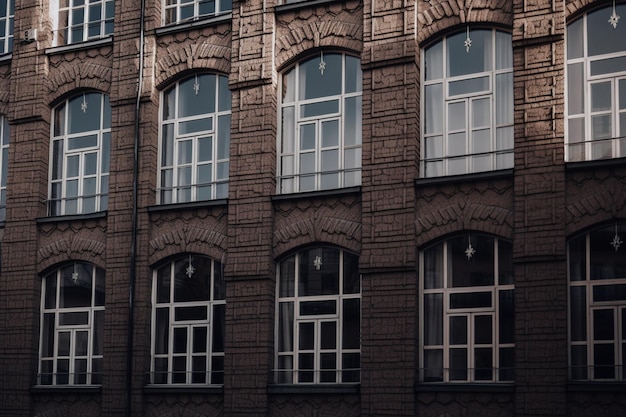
(606, 262)
(161, 337)
(433, 319)
(615, 292)
(328, 335)
(603, 325)
(314, 84)
(458, 364)
(433, 267)
(483, 326)
(306, 339)
(219, 327)
(351, 323)
(458, 330)
(217, 370)
(190, 313)
(505, 263)
(483, 366)
(285, 327)
(194, 286)
(351, 276)
(470, 300)
(604, 361)
(196, 95)
(319, 272)
(286, 277)
(602, 38)
(316, 308)
(474, 270)
(507, 364)
(506, 316)
(577, 258)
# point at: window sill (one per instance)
(314, 389)
(190, 205)
(195, 23)
(298, 4)
(311, 194)
(79, 46)
(161, 389)
(66, 389)
(595, 163)
(478, 176)
(596, 386)
(476, 387)
(6, 58)
(72, 217)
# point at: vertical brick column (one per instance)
(249, 265)
(20, 287)
(120, 216)
(539, 247)
(387, 263)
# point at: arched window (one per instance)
(188, 322)
(72, 326)
(319, 318)
(467, 322)
(320, 124)
(195, 140)
(596, 86)
(467, 104)
(177, 11)
(597, 304)
(79, 166)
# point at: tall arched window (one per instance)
(467, 103)
(188, 322)
(319, 318)
(72, 326)
(597, 304)
(79, 166)
(596, 86)
(320, 124)
(195, 140)
(466, 311)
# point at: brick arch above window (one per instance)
(494, 220)
(322, 230)
(202, 241)
(78, 76)
(441, 16)
(191, 57)
(71, 249)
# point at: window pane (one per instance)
(483, 329)
(314, 84)
(433, 62)
(433, 319)
(192, 278)
(223, 137)
(504, 98)
(504, 50)
(507, 364)
(285, 327)
(505, 262)
(579, 362)
(196, 95)
(602, 38)
(607, 66)
(433, 365)
(219, 327)
(319, 272)
(306, 336)
(433, 108)
(458, 364)
(354, 79)
(604, 361)
(575, 39)
(315, 308)
(470, 300)
(328, 335)
(180, 340)
(458, 330)
(575, 88)
(468, 86)
(506, 311)
(457, 144)
(483, 364)
(351, 338)
(475, 270)
(481, 112)
(603, 325)
(319, 108)
(477, 59)
(456, 116)
(601, 96)
(162, 327)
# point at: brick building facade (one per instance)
(313, 208)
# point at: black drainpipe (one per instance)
(133, 254)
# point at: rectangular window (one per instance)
(7, 10)
(178, 11)
(82, 20)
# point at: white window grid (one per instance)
(611, 144)
(186, 376)
(4, 162)
(71, 374)
(7, 11)
(83, 20)
(315, 374)
(183, 173)
(498, 156)
(470, 314)
(289, 162)
(67, 192)
(177, 11)
(590, 370)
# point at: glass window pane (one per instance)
(318, 272)
(306, 336)
(433, 267)
(506, 312)
(219, 327)
(604, 361)
(315, 83)
(196, 95)
(475, 270)
(351, 327)
(504, 98)
(458, 330)
(433, 147)
(469, 86)
(608, 65)
(433, 108)
(481, 112)
(481, 142)
(456, 116)
(457, 144)
(330, 133)
(504, 50)
(354, 79)
(477, 59)
(328, 335)
(319, 108)
(433, 319)
(285, 327)
(601, 97)
(351, 276)
(483, 329)
(602, 38)
(223, 137)
(575, 39)
(483, 364)
(433, 62)
(458, 364)
(603, 325)
(575, 88)
(433, 365)
(185, 151)
(579, 362)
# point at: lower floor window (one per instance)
(72, 326)
(319, 314)
(188, 322)
(467, 329)
(597, 304)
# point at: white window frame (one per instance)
(439, 162)
(492, 311)
(290, 151)
(315, 375)
(213, 374)
(93, 328)
(6, 21)
(589, 370)
(75, 23)
(586, 148)
(218, 133)
(61, 202)
(173, 10)
(5, 134)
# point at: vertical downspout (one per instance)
(133, 254)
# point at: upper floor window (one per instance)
(319, 318)
(180, 10)
(83, 20)
(467, 104)
(188, 322)
(195, 140)
(7, 10)
(79, 166)
(597, 304)
(596, 86)
(72, 326)
(467, 321)
(320, 124)
(5, 133)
